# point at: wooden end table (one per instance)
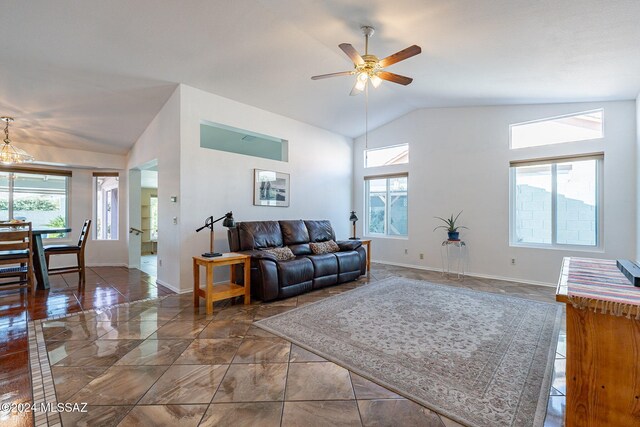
(220, 291)
(367, 243)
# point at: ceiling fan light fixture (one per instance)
(360, 84)
(375, 81)
(9, 153)
(362, 77)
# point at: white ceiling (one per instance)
(92, 74)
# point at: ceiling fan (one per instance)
(369, 67)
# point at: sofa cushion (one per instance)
(294, 271)
(349, 245)
(281, 254)
(324, 247)
(324, 264)
(348, 265)
(320, 231)
(259, 235)
(301, 249)
(294, 232)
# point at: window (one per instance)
(393, 155)
(153, 221)
(40, 197)
(557, 202)
(106, 205)
(216, 136)
(574, 127)
(386, 205)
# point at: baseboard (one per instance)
(470, 274)
(173, 288)
(108, 264)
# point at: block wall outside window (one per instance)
(557, 203)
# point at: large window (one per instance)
(106, 205)
(386, 205)
(557, 202)
(555, 130)
(39, 197)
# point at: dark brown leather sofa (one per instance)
(272, 279)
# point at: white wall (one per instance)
(214, 182)
(160, 142)
(638, 178)
(459, 160)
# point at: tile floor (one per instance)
(149, 264)
(163, 362)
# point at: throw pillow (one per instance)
(281, 254)
(324, 247)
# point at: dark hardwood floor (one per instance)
(106, 286)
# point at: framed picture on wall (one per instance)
(270, 188)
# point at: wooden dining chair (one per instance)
(16, 256)
(78, 250)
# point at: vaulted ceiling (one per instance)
(92, 74)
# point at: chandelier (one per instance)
(9, 153)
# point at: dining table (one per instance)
(39, 260)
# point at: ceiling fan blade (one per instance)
(351, 53)
(400, 56)
(395, 78)
(325, 76)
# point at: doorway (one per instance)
(149, 220)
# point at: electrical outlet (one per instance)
(513, 261)
(421, 256)
(159, 263)
(406, 251)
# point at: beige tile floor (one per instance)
(166, 363)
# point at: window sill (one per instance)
(564, 248)
(382, 236)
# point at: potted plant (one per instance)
(451, 227)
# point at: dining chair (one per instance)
(78, 250)
(16, 256)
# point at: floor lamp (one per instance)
(208, 223)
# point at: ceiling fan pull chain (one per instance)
(366, 119)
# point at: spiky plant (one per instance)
(450, 222)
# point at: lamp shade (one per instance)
(228, 220)
(353, 216)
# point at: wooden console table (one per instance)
(603, 344)
(220, 291)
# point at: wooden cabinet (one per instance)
(603, 344)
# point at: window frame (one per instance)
(599, 211)
(37, 171)
(384, 235)
(94, 190)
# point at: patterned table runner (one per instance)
(599, 285)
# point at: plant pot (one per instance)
(454, 235)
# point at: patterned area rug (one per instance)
(481, 359)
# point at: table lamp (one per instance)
(353, 218)
(208, 223)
